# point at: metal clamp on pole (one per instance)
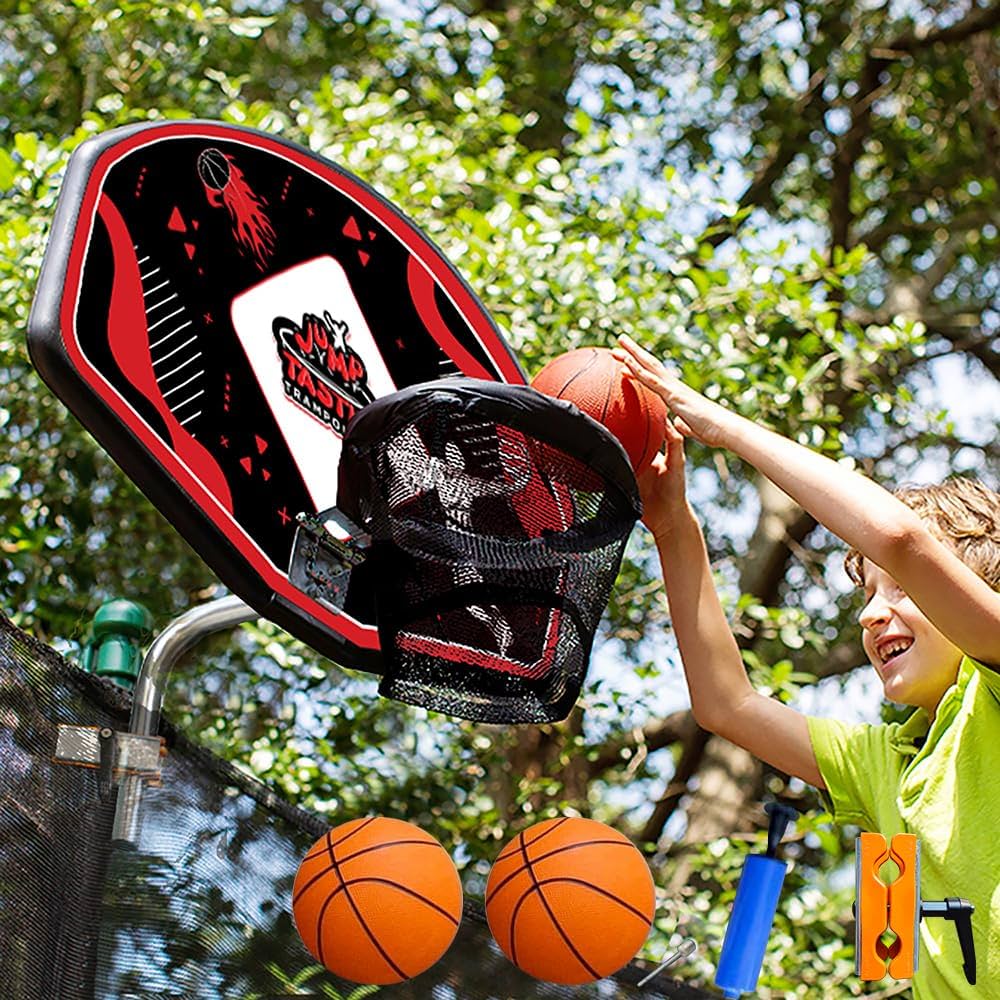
(115, 755)
(170, 645)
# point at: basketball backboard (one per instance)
(214, 305)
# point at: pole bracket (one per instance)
(115, 755)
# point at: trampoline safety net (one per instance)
(199, 908)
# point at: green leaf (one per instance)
(8, 170)
(26, 146)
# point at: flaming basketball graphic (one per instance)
(226, 187)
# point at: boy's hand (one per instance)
(661, 485)
(698, 417)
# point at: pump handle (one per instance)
(960, 912)
(781, 815)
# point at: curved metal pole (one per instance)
(169, 646)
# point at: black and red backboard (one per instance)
(215, 304)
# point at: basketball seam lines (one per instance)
(590, 364)
(362, 879)
(517, 844)
(319, 924)
(328, 900)
(513, 912)
(590, 885)
(354, 906)
(365, 878)
(645, 409)
(548, 909)
(326, 871)
(552, 853)
(373, 847)
(351, 833)
(607, 402)
(411, 892)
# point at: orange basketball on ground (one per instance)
(570, 900)
(601, 387)
(377, 900)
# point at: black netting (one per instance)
(499, 518)
(199, 909)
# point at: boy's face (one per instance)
(916, 663)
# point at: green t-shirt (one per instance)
(947, 792)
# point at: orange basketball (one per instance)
(377, 900)
(570, 900)
(601, 387)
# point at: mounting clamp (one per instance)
(115, 755)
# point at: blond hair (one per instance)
(960, 511)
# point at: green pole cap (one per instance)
(118, 630)
(123, 616)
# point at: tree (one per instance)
(821, 297)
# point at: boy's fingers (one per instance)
(639, 354)
(670, 431)
(674, 447)
(640, 362)
(658, 463)
(683, 427)
(634, 351)
(642, 373)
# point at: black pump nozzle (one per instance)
(781, 815)
(960, 911)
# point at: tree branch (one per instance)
(687, 768)
(977, 20)
(963, 331)
(877, 236)
(982, 348)
(652, 737)
(770, 171)
(879, 57)
(986, 90)
(870, 86)
(843, 658)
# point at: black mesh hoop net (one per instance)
(199, 907)
(499, 517)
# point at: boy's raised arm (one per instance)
(722, 698)
(960, 604)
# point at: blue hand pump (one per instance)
(753, 910)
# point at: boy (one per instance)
(930, 626)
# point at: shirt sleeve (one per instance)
(989, 677)
(855, 762)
